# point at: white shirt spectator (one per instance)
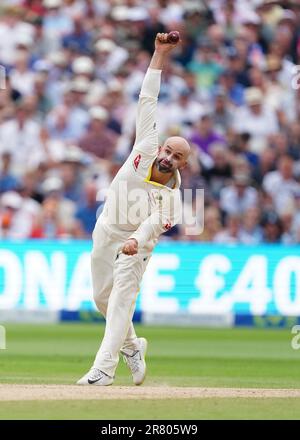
(225, 237)
(180, 115)
(76, 7)
(133, 84)
(56, 24)
(23, 144)
(19, 220)
(9, 37)
(242, 10)
(281, 190)
(234, 203)
(22, 81)
(110, 56)
(173, 12)
(250, 237)
(75, 122)
(258, 125)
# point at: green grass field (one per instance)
(193, 357)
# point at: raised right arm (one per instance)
(146, 134)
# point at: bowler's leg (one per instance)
(128, 272)
(103, 257)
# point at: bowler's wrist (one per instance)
(154, 70)
(161, 52)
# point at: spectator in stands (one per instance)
(152, 27)
(230, 234)
(272, 227)
(73, 73)
(233, 89)
(88, 208)
(69, 120)
(61, 210)
(294, 140)
(212, 224)
(21, 137)
(281, 184)
(83, 67)
(99, 140)
(255, 119)
(237, 198)
(218, 176)
(204, 135)
(21, 75)
(286, 218)
(242, 146)
(79, 38)
(11, 28)
(266, 163)
(71, 170)
(205, 66)
(15, 221)
(56, 23)
(44, 104)
(184, 112)
(221, 111)
(49, 224)
(251, 231)
(8, 182)
(59, 125)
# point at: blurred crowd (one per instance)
(74, 69)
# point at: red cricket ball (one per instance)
(173, 37)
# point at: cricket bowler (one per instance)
(124, 236)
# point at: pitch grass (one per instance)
(60, 354)
(184, 409)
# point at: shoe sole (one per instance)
(145, 346)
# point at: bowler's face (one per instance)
(170, 158)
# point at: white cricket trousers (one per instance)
(116, 279)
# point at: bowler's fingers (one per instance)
(132, 251)
(129, 250)
(162, 37)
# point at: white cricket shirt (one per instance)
(135, 206)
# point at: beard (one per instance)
(163, 167)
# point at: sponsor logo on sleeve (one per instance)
(136, 161)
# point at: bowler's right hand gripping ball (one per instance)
(173, 37)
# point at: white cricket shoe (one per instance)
(136, 362)
(95, 377)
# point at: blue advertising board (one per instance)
(193, 278)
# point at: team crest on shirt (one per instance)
(136, 161)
